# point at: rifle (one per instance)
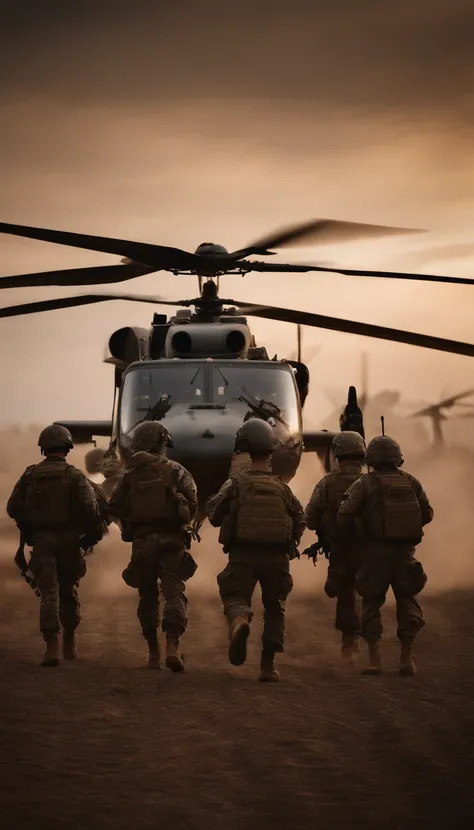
(318, 547)
(21, 562)
(263, 409)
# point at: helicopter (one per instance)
(201, 372)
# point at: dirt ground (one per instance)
(106, 743)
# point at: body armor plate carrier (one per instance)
(49, 498)
(396, 514)
(262, 511)
(154, 497)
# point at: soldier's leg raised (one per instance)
(175, 610)
(43, 565)
(277, 583)
(144, 563)
(236, 586)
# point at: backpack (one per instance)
(262, 511)
(153, 495)
(395, 515)
(49, 495)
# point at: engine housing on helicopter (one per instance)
(227, 339)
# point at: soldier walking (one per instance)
(261, 524)
(57, 513)
(348, 448)
(155, 499)
(393, 509)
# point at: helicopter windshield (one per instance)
(267, 381)
(208, 384)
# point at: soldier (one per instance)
(156, 501)
(348, 448)
(393, 509)
(102, 504)
(261, 524)
(111, 469)
(57, 512)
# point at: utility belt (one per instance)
(132, 530)
(395, 543)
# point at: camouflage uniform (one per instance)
(252, 564)
(102, 503)
(57, 560)
(111, 469)
(159, 550)
(386, 562)
(344, 555)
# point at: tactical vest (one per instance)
(337, 483)
(50, 495)
(262, 514)
(394, 510)
(153, 496)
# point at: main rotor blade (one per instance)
(268, 267)
(156, 256)
(323, 232)
(100, 275)
(81, 299)
(395, 275)
(289, 315)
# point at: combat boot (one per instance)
(174, 660)
(407, 664)
(153, 650)
(69, 645)
(239, 630)
(51, 655)
(375, 660)
(268, 672)
(349, 646)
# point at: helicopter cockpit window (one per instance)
(143, 389)
(269, 383)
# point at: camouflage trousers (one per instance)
(153, 558)
(390, 566)
(237, 583)
(344, 564)
(58, 565)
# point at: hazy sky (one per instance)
(223, 121)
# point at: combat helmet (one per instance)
(255, 436)
(111, 464)
(151, 436)
(384, 450)
(348, 445)
(55, 437)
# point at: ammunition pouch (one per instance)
(130, 577)
(412, 578)
(127, 533)
(187, 567)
